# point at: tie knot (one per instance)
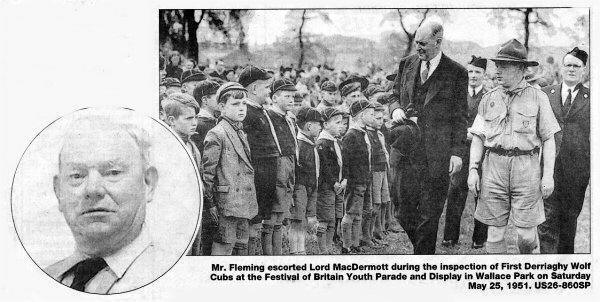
(85, 270)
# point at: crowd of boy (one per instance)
(275, 167)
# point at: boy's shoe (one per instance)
(346, 251)
(477, 245)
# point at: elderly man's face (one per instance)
(427, 46)
(572, 69)
(103, 187)
(508, 74)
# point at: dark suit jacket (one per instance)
(329, 168)
(443, 119)
(355, 157)
(573, 142)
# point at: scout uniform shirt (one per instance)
(518, 119)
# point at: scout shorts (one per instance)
(510, 189)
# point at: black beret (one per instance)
(404, 137)
(478, 62)
(328, 86)
(251, 74)
(580, 54)
(205, 88)
(192, 76)
(358, 106)
(170, 82)
(308, 114)
(330, 112)
(282, 84)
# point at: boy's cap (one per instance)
(251, 74)
(330, 112)
(308, 114)
(192, 75)
(373, 89)
(205, 88)
(282, 84)
(328, 86)
(227, 87)
(170, 82)
(352, 84)
(358, 106)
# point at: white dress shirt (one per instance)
(433, 64)
(565, 91)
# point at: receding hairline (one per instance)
(433, 29)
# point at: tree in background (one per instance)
(528, 20)
(180, 27)
(296, 21)
(409, 29)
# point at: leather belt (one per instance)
(514, 152)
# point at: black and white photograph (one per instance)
(105, 200)
(385, 131)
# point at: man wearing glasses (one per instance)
(570, 102)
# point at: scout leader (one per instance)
(513, 122)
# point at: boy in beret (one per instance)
(302, 209)
(380, 163)
(328, 95)
(331, 181)
(228, 175)
(356, 167)
(170, 85)
(282, 93)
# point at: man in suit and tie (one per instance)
(570, 102)
(430, 89)
(457, 192)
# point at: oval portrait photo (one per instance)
(106, 201)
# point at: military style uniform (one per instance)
(513, 125)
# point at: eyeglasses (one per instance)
(574, 66)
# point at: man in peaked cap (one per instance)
(434, 88)
(457, 192)
(329, 95)
(513, 122)
(570, 102)
(264, 147)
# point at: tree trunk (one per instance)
(526, 26)
(409, 44)
(300, 42)
(192, 28)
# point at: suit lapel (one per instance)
(237, 143)
(410, 75)
(556, 102)
(435, 85)
(582, 97)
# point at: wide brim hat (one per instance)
(513, 51)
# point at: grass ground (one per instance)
(400, 244)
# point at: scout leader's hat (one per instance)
(478, 62)
(170, 82)
(252, 74)
(308, 114)
(330, 112)
(580, 54)
(192, 76)
(358, 106)
(227, 87)
(352, 84)
(513, 51)
(283, 85)
(328, 86)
